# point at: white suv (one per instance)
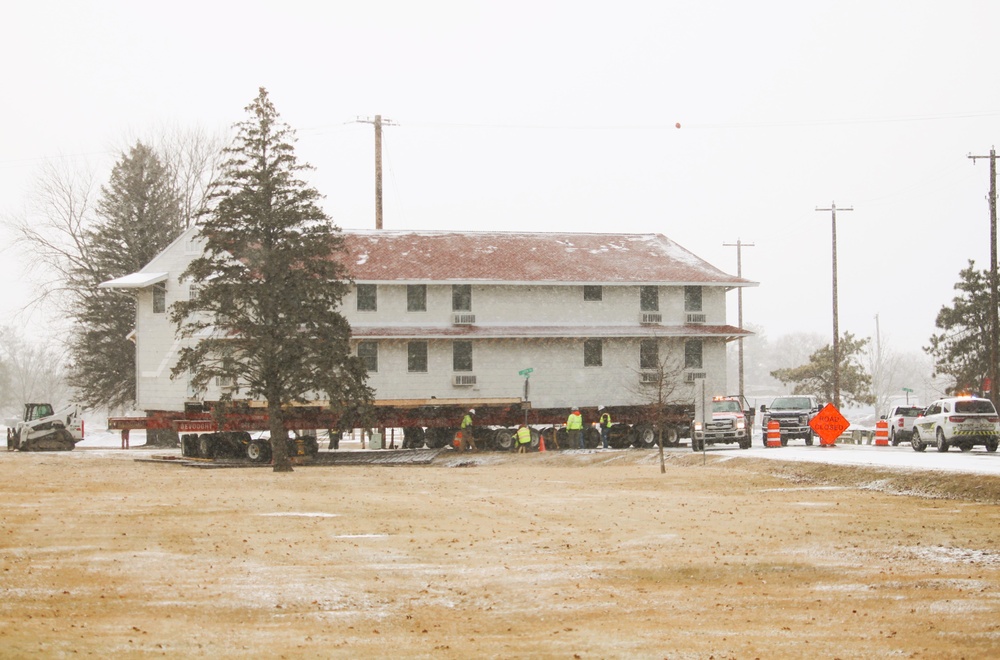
(960, 421)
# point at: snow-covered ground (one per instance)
(978, 461)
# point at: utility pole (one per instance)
(836, 322)
(377, 122)
(994, 314)
(739, 245)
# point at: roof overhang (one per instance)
(134, 281)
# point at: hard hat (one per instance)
(600, 407)
(576, 409)
(472, 411)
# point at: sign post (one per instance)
(527, 374)
(907, 390)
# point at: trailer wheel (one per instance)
(435, 438)
(206, 445)
(413, 437)
(671, 437)
(257, 451)
(645, 435)
(503, 439)
(549, 436)
(591, 438)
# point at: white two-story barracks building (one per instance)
(459, 315)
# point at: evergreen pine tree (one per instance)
(962, 350)
(138, 215)
(266, 315)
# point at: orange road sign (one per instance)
(829, 424)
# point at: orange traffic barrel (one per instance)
(882, 433)
(773, 434)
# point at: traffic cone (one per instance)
(541, 442)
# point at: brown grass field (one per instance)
(555, 555)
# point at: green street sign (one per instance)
(525, 372)
(907, 389)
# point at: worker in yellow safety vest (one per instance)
(605, 424)
(468, 442)
(574, 428)
(523, 438)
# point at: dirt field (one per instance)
(574, 555)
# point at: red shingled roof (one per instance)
(442, 256)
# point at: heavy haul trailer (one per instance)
(210, 430)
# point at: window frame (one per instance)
(368, 356)
(694, 354)
(416, 297)
(459, 357)
(649, 294)
(461, 294)
(649, 354)
(416, 356)
(593, 353)
(370, 296)
(694, 299)
(159, 298)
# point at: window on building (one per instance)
(593, 353)
(649, 298)
(461, 355)
(692, 299)
(692, 354)
(593, 292)
(649, 354)
(194, 290)
(461, 297)
(416, 357)
(367, 297)
(159, 298)
(368, 354)
(416, 297)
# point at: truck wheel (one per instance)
(206, 446)
(645, 436)
(697, 444)
(745, 444)
(784, 441)
(893, 440)
(257, 451)
(965, 446)
(671, 437)
(916, 442)
(809, 440)
(991, 445)
(503, 439)
(942, 444)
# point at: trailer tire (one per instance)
(258, 451)
(591, 438)
(645, 435)
(671, 436)
(189, 445)
(413, 437)
(548, 436)
(503, 439)
(206, 445)
(436, 438)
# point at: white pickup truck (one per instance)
(900, 419)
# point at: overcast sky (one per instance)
(561, 116)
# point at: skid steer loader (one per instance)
(43, 429)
